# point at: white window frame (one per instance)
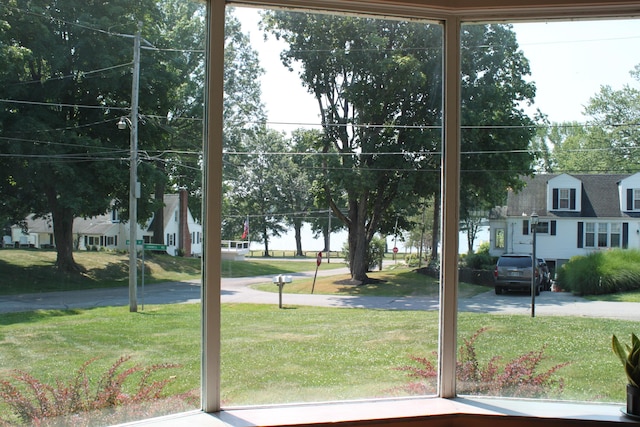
(615, 234)
(564, 199)
(451, 18)
(636, 199)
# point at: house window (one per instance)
(636, 199)
(542, 227)
(563, 199)
(589, 234)
(212, 350)
(603, 234)
(499, 239)
(615, 235)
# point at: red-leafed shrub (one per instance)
(81, 402)
(516, 378)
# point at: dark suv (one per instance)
(513, 273)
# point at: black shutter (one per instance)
(525, 227)
(555, 198)
(572, 199)
(629, 199)
(625, 235)
(553, 227)
(580, 234)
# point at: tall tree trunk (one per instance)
(265, 237)
(358, 241)
(325, 237)
(435, 238)
(297, 225)
(63, 235)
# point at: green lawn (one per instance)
(295, 354)
(398, 281)
(632, 296)
(271, 355)
(28, 270)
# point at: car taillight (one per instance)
(495, 272)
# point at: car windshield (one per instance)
(515, 261)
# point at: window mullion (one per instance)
(450, 209)
(211, 273)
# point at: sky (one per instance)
(569, 63)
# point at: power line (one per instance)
(60, 105)
(78, 73)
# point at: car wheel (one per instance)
(498, 290)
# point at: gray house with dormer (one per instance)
(578, 214)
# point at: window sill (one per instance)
(425, 411)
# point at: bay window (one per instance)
(440, 107)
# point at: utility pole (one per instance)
(133, 177)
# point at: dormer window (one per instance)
(633, 199)
(564, 198)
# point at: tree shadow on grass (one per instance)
(35, 316)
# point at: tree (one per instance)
(298, 194)
(608, 141)
(378, 87)
(262, 175)
(496, 133)
(65, 92)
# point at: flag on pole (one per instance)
(245, 233)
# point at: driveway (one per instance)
(239, 291)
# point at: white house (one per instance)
(181, 231)
(578, 214)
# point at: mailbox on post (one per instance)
(281, 281)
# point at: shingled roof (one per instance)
(600, 197)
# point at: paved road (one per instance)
(238, 291)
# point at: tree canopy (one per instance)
(378, 85)
(607, 141)
(66, 81)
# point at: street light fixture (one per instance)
(534, 264)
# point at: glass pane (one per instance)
(336, 172)
(87, 91)
(548, 120)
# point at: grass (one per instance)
(302, 353)
(631, 296)
(292, 355)
(29, 271)
(398, 281)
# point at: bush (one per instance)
(598, 273)
(36, 403)
(412, 260)
(481, 260)
(375, 253)
(516, 378)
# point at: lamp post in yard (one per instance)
(534, 264)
